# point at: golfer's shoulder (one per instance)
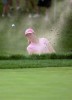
(43, 40)
(30, 47)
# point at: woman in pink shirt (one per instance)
(37, 46)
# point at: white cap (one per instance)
(29, 30)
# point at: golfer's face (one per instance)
(29, 36)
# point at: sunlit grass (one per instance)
(36, 84)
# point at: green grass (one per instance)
(47, 79)
(16, 64)
(36, 84)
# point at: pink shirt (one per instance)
(39, 48)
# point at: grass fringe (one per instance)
(37, 57)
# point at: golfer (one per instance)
(37, 45)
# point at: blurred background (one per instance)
(53, 22)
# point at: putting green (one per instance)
(36, 84)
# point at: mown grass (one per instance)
(36, 84)
(36, 61)
(43, 77)
(17, 64)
